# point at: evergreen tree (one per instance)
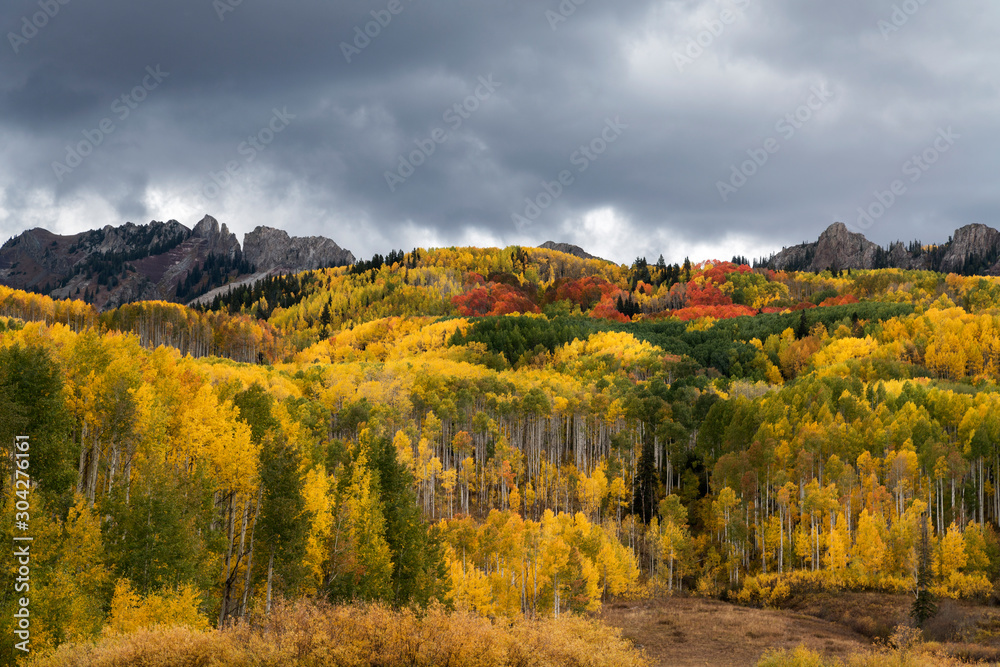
(156, 533)
(32, 404)
(417, 565)
(802, 330)
(924, 606)
(282, 523)
(644, 501)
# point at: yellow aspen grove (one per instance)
(869, 548)
(510, 432)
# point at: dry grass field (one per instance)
(682, 632)
(685, 632)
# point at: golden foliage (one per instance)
(306, 634)
(131, 612)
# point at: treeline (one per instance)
(156, 323)
(214, 272)
(263, 296)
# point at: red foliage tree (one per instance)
(707, 294)
(493, 299)
(584, 292)
(719, 312)
(840, 300)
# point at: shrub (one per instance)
(798, 657)
(314, 634)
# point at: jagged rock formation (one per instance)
(569, 249)
(162, 260)
(218, 240)
(268, 249)
(973, 249)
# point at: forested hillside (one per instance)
(515, 432)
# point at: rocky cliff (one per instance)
(269, 249)
(112, 266)
(973, 249)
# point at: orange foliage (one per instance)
(706, 294)
(584, 292)
(493, 299)
(840, 300)
(607, 310)
(720, 312)
(314, 633)
(720, 270)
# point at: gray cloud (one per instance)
(653, 190)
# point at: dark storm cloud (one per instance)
(696, 88)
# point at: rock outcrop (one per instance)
(569, 249)
(113, 266)
(840, 248)
(218, 239)
(973, 249)
(975, 244)
(267, 249)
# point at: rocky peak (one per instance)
(268, 248)
(218, 239)
(131, 238)
(840, 248)
(970, 243)
(109, 266)
(569, 249)
(972, 250)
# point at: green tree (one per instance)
(360, 563)
(644, 501)
(924, 606)
(32, 404)
(283, 521)
(417, 563)
(158, 533)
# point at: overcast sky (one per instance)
(288, 114)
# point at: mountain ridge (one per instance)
(569, 249)
(971, 249)
(112, 266)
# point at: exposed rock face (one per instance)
(218, 240)
(840, 248)
(972, 242)
(837, 248)
(131, 238)
(268, 248)
(974, 249)
(162, 260)
(569, 249)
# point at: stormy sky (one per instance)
(681, 127)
